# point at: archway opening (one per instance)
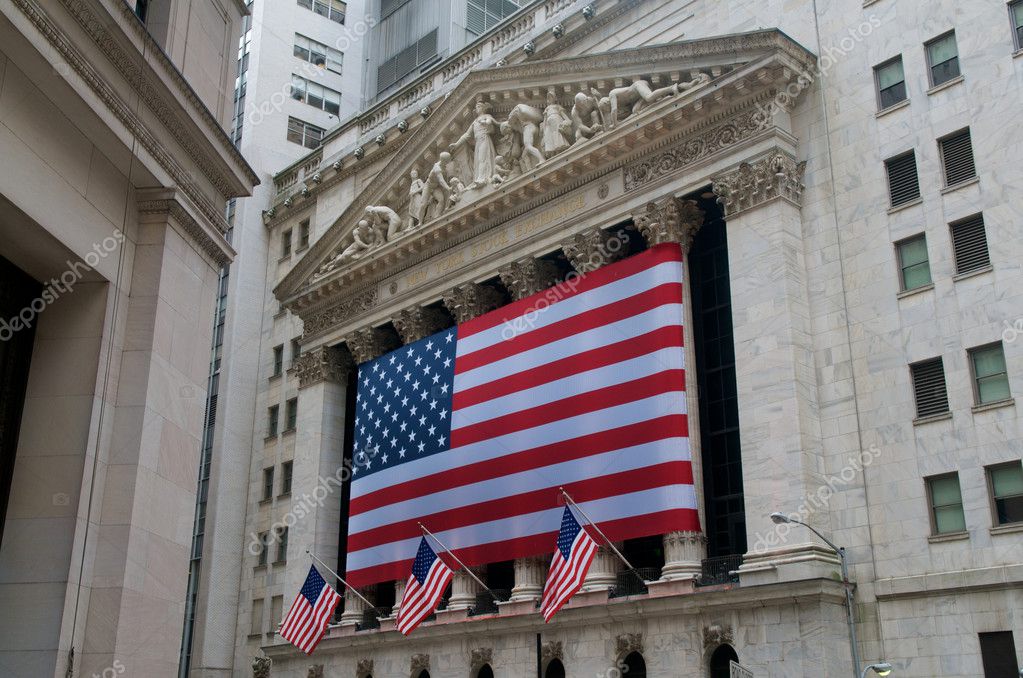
(634, 666)
(423, 674)
(485, 672)
(555, 669)
(719, 661)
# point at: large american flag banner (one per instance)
(472, 431)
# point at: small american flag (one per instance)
(310, 613)
(568, 568)
(430, 576)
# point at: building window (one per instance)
(332, 9)
(291, 414)
(969, 244)
(282, 545)
(1005, 482)
(1016, 14)
(276, 612)
(304, 134)
(891, 83)
(286, 243)
(929, 388)
(990, 379)
(903, 182)
(264, 547)
(272, 417)
(957, 158)
(482, 15)
(268, 483)
(998, 654)
(943, 58)
(318, 54)
(257, 616)
(315, 94)
(947, 515)
(407, 60)
(914, 267)
(278, 360)
(303, 234)
(296, 350)
(286, 471)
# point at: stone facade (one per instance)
(780, 131)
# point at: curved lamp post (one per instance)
(780, 519)
(881, 669)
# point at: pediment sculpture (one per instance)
(491, 152)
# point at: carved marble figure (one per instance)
(586, 120)
(557, 127)
(416, 201)
(480, 136)
(525, 120)
(385, 221)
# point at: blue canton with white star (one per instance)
(403, 404)
(423, 562)
(569, 529)
(313, 585)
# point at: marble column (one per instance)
(464, 589)
(355, 606)
(523, 278)
(399, 593)
(780, 428)
(671, 219)
(603, 572)
(319, 470)
(590, 249)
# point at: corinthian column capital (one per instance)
(417, 322)
(593, 248)
(325, 363)
(670, 219)
(528, 276)
(776, 175)
(368, 343)
(470, 300)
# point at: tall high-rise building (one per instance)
(838, 181)
(117, 162)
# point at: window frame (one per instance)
(931, 508)
(971, 354)
(303, 234)
(877, 83)
(278, 360)
(290, 415)
(307, 91)
(901, 266)
(282, 545)
(268, 483)
(916, 396)
(334, 13)
(305, 132)
(888, 178)
(992, 499)
(287, 477)
(273, 423)
(941, 157)
(330, 55)
(1017, 31)
(931, 66)
(264, 549)
(952, 226)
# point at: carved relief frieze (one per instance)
(626, 643)
(261, 667)
(419, 662)
(551, 650)
(364, 668)
(332, 316)
(717, 634)
(776, 175)
(479, 657)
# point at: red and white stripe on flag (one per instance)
(572, 558)
(472, 430)
(430, 577)
(309, 615)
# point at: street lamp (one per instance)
(881, 669)
(780, 519)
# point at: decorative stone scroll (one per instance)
(326, 363)
(593, 248)
(479, 657)
(777, 175)
(364, 668)
(415, 323)
(315, 671)
(717, 634)
(368, 343)
(469, 301)
(528, 276)
(670, 220)
(419, 662)
(741, 127)
(552, 650)
(333, 316)
(627, 643)
(261, 667)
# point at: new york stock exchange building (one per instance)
(493, 218)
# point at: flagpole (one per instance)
(459, 561)
(601, 533)
(341, 579)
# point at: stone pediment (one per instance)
(507, 136)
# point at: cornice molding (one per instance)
(90, 75)
(168, 202)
